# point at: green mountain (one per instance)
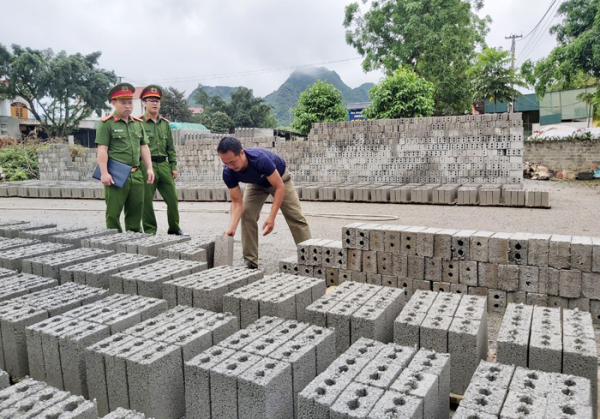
(286, 97)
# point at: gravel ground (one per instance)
(575, 208)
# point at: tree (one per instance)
(244, 110)
(437, 38)
(590, 100)
(321, 102)
(173, 105)
(401, 95)
(492, 77)
(577, 56)
(66, 88)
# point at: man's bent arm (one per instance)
(237, 207)
(275, 181)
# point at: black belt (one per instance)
(159, 159)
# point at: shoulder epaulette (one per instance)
(136, 119)
(106, 118)
(165, 118)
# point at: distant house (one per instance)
(196, 110)
(15, 118)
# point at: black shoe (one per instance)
(179, 233)
(251, 265)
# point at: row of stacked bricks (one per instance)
(413, 193)
(474, 149)
(419, 193)
(540, 269)
(509, 391)
(550, 340)
(448, 323)
(375, 380)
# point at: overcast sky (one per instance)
(182, 43)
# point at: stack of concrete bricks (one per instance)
(13, 258)
(12, 231)
(7, 244)
(206, 289)
(142, 367)
(280, 295)
(98, 272)
(318, 258)
(110, 242)
(34, 399)
(75, 238)
(506, 391)
(258, 371)
(149, 245)
(51, 265)
(375, 380)
(122, 413)
(44, 234)
(55, 346)
(357, 310)
(448, 323)
(13, 284)
(57, 164)
(541, 338)
(18, 313)
(197, 250)
(147, 280)
(541, 269)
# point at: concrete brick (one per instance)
(581, 253)
(508, 277)
(538, 250)
(499, 248)
(392, 241)
(443, 244)
(393, 404)
(518, 248)
(467, 344)
(595, 254)
(421, 385)
(426, 241)
(528, 279)
(468, 273)
(450, 271)
(559, 252)
(461, 242)
(433, 269)
(496, 300)
(570, 283)
(479, 246)
(357, 400)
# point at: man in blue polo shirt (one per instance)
(265, 173)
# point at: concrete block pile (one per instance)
(7, 244)
(18, 313)
(110, 242)
(282, 295)
(197, 250)
(149, 245)
(13, 284)
(13, 258)
(51, 265)
(549, 339)
(376, 380)
(506, 391)
(540, 269)
(258, 371)
(357, 310)
(34, 399)
(55, 347)
(122, 413)
(98, 272)
(141, 368)
(75, 238)
(206, 289)
(12, 230)
(44, 234)
(448, 323)
(147, 280)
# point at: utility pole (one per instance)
(512, 59)
(121, 77)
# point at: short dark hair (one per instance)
(230, 144)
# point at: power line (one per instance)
(537, 35)
(538, 24)
(243, 73)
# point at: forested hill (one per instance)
(286, 97)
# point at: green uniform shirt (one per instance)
(122, 139)
(160, 139)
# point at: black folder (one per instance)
(119, 172)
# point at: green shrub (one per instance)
(19, 162)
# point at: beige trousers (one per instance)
(254, 199)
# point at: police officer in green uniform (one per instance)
(164, 163)
(121, 137)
